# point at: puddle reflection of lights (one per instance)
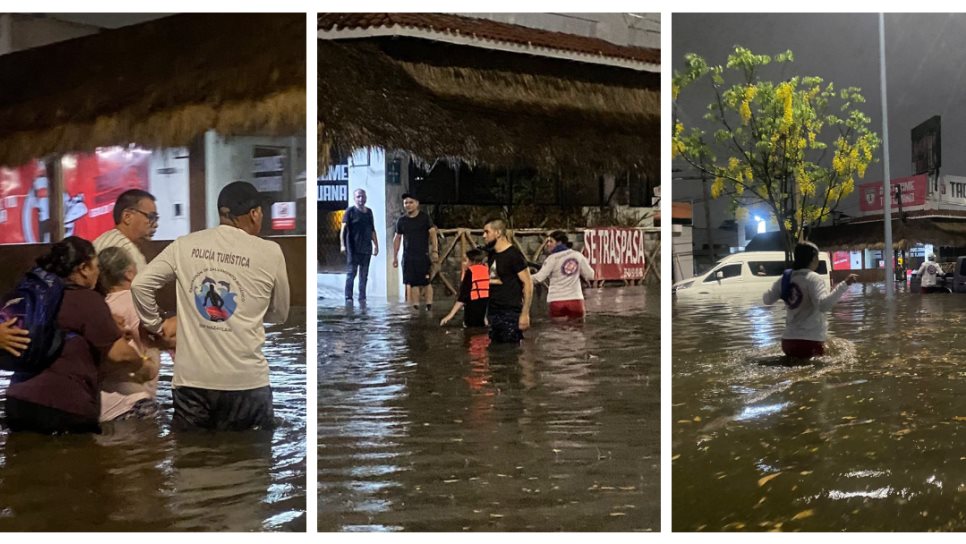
(881, 493)
(866, 473)
(756, 412)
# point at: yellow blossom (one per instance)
(717, 187)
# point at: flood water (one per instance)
(423, 428)
(870, 438)
(139, 476)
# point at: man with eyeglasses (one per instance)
(135, 222)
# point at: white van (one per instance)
(751, 272)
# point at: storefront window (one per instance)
(274, 165)
(91, 184)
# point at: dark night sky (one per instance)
(925, 67)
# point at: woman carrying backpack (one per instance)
(65, 396)
(807, 298)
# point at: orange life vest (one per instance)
(480, 278)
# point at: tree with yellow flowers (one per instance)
(796, 146)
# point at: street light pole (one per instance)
(886, 182)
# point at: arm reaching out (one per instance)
(144, 288)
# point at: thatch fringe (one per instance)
(160, 83)
(539, 93)
(947, 232)
(485, 115)
(274, 115)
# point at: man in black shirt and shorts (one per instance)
(418, 234)
(511, 288)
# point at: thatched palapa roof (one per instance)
(158, 84)
(458, 99)
(943, 228)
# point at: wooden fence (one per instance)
(455, 243)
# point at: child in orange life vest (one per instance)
(474, 291)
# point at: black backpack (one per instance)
(35, 303)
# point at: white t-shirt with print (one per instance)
(927, 272)
(564, 269)
(809, 300)
(229, 283)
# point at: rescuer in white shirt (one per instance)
(228, 282)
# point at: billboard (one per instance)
(927, 146)
(913, 195)
(615, 253)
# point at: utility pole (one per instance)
(887, 254)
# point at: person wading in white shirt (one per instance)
(564, 267)
(229, 282)
(807, 298)
(928, 273)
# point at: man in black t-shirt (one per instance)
(416, 231)
(359, 243)
(511, 288)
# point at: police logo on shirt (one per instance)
(214, 297)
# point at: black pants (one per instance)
(216, 410)
(504, 324)
(27, 416)
(357, 262)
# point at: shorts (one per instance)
(571, 309)
(803, 349)
(416, 270)
(211, 409)
(504, 324)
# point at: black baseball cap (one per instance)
(238, 198)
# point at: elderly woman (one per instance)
(127, 392)
(65, 396)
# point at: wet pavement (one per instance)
(142, 477)
(869, 438)
(423, 428)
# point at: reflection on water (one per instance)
(138, 476)
(423, 428)
(868, 438)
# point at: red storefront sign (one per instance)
(92, 182)
(841, 260)
(913, 194)
(615, 253)
(24, 213)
